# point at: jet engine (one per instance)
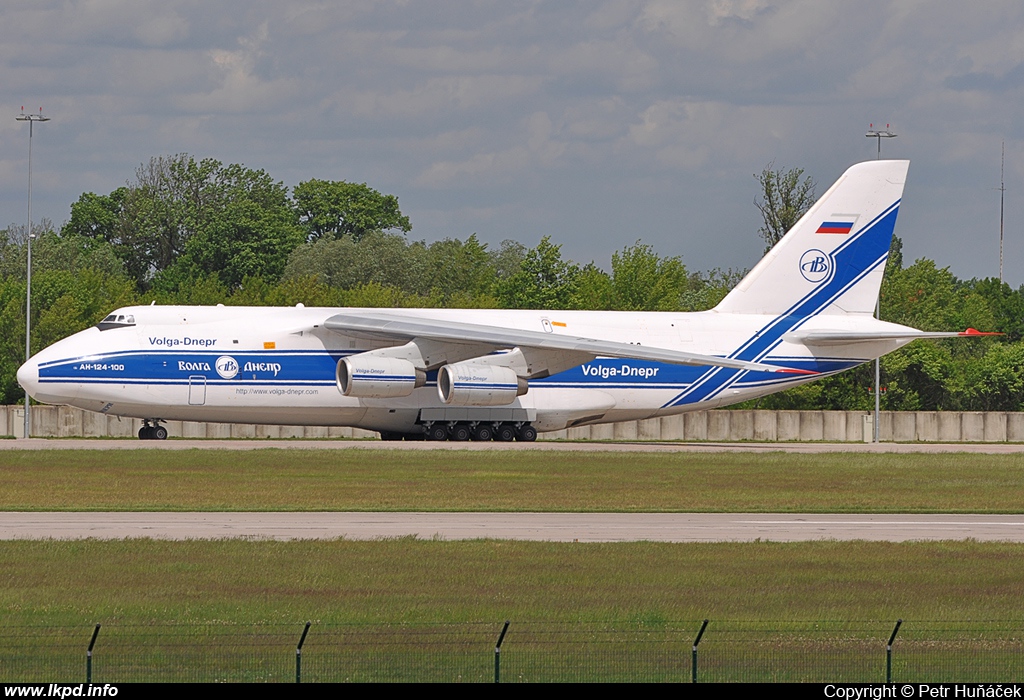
(468, 384)
(372, 377)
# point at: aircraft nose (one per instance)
(28, 376)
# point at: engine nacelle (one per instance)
(371, 377)
(468, 384)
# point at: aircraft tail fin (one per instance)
(832, 260)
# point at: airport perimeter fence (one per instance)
(649, 651)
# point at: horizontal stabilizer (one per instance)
(846, 337)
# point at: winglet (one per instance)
(975, 333)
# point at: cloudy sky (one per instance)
(598, 123)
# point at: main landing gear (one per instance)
(480, 431)
(152, 432)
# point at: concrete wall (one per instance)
(64, 421)
(810, 426)
(717, 426)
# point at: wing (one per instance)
(397, 327)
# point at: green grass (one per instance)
(385, 480)
(408, 580)
(407, 609)
(431, 610)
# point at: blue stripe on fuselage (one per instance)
(318, 368)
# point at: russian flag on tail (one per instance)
(835, 227)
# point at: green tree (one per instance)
(508, 258)
(334, 208)
(544, 280)
(592, 289)
(51, 251)
(459, 269)
(96, 216)
(1005, 304)
(173, 199)
(931, 298)
(377, 258)
(644, 281)
(706, 289)
(785, 196)
(244, 240)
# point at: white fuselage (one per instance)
(277, 366)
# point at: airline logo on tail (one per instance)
(814, 265)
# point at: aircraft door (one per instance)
(196, 390)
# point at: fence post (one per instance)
(88, 654)
(497, 653)
(888, 651)
(298, 653)
(693, 673)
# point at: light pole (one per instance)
(1002, 196)
(874, 133)
(31, 119)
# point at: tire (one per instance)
(388, 436)
(459, 432)
(145, 433)
(159, 433)
(526, 434)
(505, 433)
(438, 432)
(483, 433)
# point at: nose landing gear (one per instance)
(152, 432)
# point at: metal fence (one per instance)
(531, 651)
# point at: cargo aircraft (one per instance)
(803, 312)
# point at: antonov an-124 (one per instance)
(803, 312)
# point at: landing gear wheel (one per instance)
(152, 432)
(459, 432)
(438, 432)
(387, 436)
(505, 433)
(483, 433)
(527, 434)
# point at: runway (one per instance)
(553, 527)
(588, 446)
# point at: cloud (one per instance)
(593, 118)
(987, 81)
(236, 85)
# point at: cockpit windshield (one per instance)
(116, 320)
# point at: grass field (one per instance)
(81, 582)
(407, 609)
(356, 479)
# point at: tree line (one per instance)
(187, 231)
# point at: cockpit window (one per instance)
(116, 321)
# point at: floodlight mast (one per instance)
(31, 118)
(878, 134)
(1002, 197)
